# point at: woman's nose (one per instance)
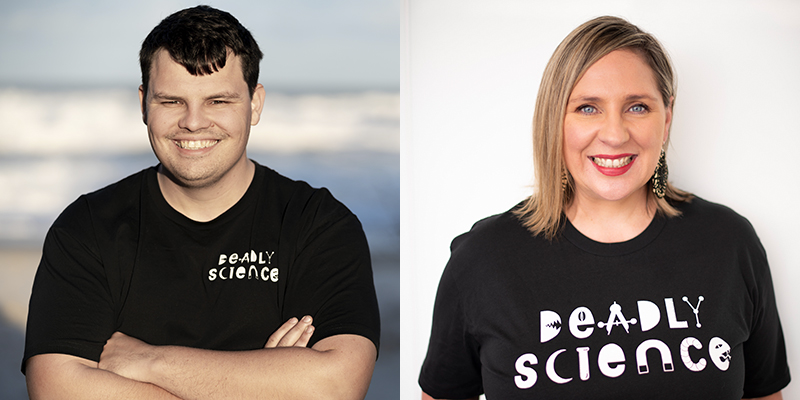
(614, 131)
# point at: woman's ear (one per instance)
(668, 119)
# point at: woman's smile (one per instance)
(613, 165)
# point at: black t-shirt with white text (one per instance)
(121, 259)
(685, 310)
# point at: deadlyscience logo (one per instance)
(251, 265)
(611, 358)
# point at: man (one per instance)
(207, 276)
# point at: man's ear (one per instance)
(257, 104)
(142, 105)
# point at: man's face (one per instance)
(199, 125)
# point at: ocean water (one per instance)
(57, 145)
(35, 188)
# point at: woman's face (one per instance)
(614, 127)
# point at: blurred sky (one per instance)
(309, 45)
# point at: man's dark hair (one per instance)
(199, 38)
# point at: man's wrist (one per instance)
(158, 366)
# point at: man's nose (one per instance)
(194, 118)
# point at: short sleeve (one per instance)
(452, 367)
(330, 277)
(70, 309)
(766, 366)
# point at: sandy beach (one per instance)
(17, 268)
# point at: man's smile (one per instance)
(195, 144)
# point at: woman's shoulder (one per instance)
(700, 208)
(701, 215)
(499, 231)
(494, 224)
(486, 250)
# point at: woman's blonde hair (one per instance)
(543, 212)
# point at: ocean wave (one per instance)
(108, 121)
(36, 188)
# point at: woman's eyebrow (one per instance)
(595, 98)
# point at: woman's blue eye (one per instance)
(639, 108)
(587, 109)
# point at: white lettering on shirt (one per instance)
(234, 267)
(610, 360)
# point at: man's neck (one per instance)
(204, 204)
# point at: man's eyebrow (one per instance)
(165, 96)
(220, 95)
(225, 95)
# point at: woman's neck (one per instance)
(611, 221)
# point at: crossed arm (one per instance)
(337, 367)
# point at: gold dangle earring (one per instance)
(660, 176)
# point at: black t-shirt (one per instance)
(121, 259)
(685, 310)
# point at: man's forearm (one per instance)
(337, 367)
(60, 376)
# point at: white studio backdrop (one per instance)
(470, 73)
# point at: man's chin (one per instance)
(189, 179)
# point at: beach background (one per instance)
(72, 126)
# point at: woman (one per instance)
(608, 282)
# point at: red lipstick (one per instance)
(612, 171)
